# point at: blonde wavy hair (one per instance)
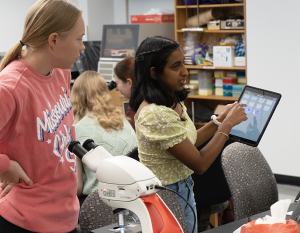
(43, 18)
(90, 96)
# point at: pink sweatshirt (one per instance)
(36, 127)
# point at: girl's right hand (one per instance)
(11, 177)
(236, 115)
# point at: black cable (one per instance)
(165, 188)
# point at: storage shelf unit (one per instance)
(213, 97)
(180, 22)
(195, 67)
(215, 31)
(208, 6)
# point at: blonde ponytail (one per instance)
(44, 18)
(11, 55)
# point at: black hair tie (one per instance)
(22, 43)
(139, 58)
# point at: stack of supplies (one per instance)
(239, 59)
(204, 83)
(218, 82)
(241, 76)
(228, 81)
(237, 89)
(194, 76)
(193, 86)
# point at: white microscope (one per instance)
(125, 183)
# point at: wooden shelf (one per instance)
(214, 31)
(180, 22)
(211, 6)
(195, 67)
(212, 97)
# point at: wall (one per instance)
(100, 12)
(273, 64)
(138, 7)
(96, 13)
(12, 17)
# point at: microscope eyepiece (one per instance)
(89, 144)
(77, 149)
(111, 85)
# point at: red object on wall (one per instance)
(151, 19)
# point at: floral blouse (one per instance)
(159, 128)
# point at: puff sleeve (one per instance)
(162, 125)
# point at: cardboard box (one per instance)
(223, 56)
(213, 25)
(239, 61)
(219, 109)
(151, 19)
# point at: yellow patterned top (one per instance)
(159, 128)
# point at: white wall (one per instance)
(96, 13)
(100, 12)
(12, 17)
(274, 64)
(138, 7)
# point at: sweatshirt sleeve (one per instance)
(8, 110)
(4, 163)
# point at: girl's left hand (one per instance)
(227, 109)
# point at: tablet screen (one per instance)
(260, 107)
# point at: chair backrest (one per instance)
(250, 179)
(94, 213)
(297, 197)
(133, 153)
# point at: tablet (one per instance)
(261, 105)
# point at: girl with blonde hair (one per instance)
(97, 118)
(37, 172)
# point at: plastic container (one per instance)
(205, 80)
(238, 87)
(241, 80)
(227, 93)
(236, 93)
(240, 73)
(193, 88)
(227, 87)
(219, 91)
(231, 74)
(219, 74)
(194, 76)
(229, 80)
(205, 92)
(219, 82)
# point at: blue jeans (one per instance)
(185, 189)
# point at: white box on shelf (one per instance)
(239, 61)
(223, 56)
(219, 82)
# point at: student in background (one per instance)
(36, 122)
(97, 118)
(167, 138)
(124, 77)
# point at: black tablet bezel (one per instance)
(263, 92)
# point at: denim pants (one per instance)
(185, 189)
